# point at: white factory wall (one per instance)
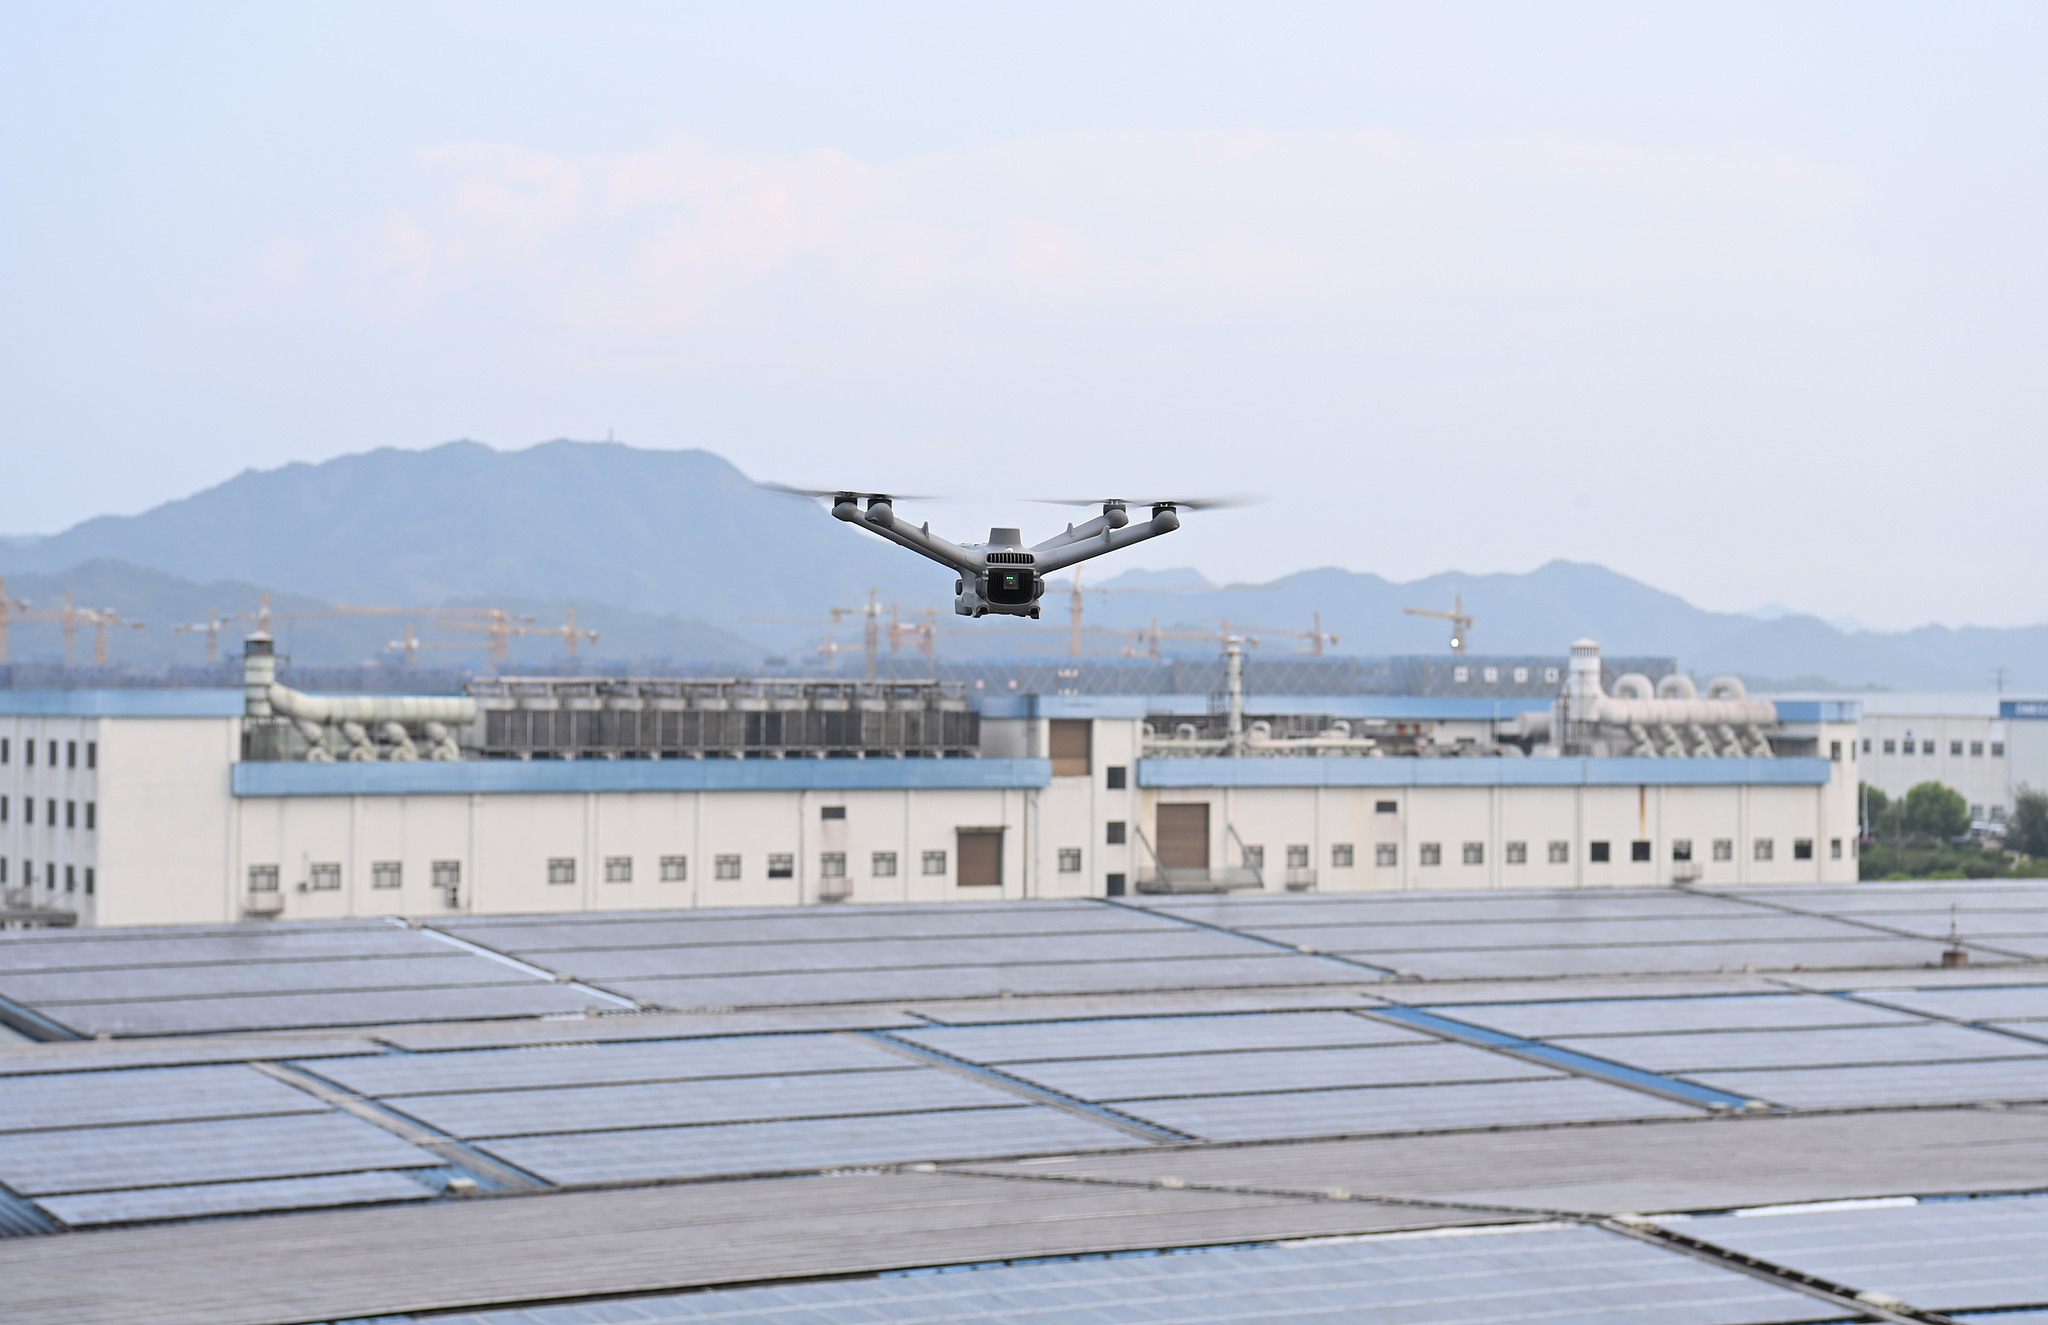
(65, 853)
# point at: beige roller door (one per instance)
(1184, 836)
(981, 857)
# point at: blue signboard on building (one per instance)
(2023, 708)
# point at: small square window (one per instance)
(1515, 853)
(1834, 848)
(675, 869)
(1550, 675)
(1976, 749)
(725, 867)
(781, 865)
(1492, 674)
(882, 864)
(1297, 857)
(1521, 676)
(618, 869)
(1460, 675)
(1890, 747)
(1255, 857)
(1116, 777)
(1386, 855)
(447, 874)
(1802, 848)
(1340, 856)
(387, 874)
(1639, 851)
(1070, 860)
(1113, 832)
(1766, 848)
(1432, 854)
(832, 865)
(1475, 853)
(263, 878)
(832, 812)
(1976, 812)
(1114, 885)
(1724, 848)
(1998, 749)
(561, 869)
(1955, 747)
(1681, 848)
(1596, 852)
(934, 862)
(1560, 853)
(1386, 807)
(324, 878)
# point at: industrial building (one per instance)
(1987, 747)
(130, 807)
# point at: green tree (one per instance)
(1937, 811)
(2028, 831)
(1871, 804)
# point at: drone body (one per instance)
(1002, 575)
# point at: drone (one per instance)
(1002, 575)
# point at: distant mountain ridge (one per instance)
(679, 552)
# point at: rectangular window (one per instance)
(981, 857)
(1835, 751)
(1114, 885)
(1560, 853)
(1113, 832)
(50, 812)
(70, 878)
(28, 809)
(53, 764)
(934, 862)
(1955, 747)
(832, 865)
(618, 869)
(92, 815)
(1681, 848)
(386, 874)
(1116, 777)
(1069, 742)
(1515, 853)
(1386, 807)
(1460, 675)
(92, 760)
(1521, 676)
(1890, 746)
(446, 874)
(71, 814)
(71, 754)
(1070, 860)
(1766, 848)
(675, 869)
(1834, 848)
(882, 864)
(1475, 853)
(561, 870)
(832, 812)
(28, 753)
(1724, 848)
(1255, 857)
(1432, 854)
(1639, 851)
(1596, 852)
(1492, 674)
(3, 869)
(1998, 749)
(5, 741)
(324, 878)
(1866, 745)
(3, 809)
(88, 880)
(1976, 750)
(1297, 857)
(1386, 855)
(263, 878)
(725, 867)
(1340, 856)
(1802, 848)
(1976, 812)
(781, 865)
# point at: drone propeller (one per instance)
(842, 492)
(1184, 503)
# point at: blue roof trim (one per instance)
(502, 776)
(1288, 771)
(1394, 708)
(1819, 710)
(121, 703)
(1089, 706)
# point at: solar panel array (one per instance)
(371, 1063)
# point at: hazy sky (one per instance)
(1744, 300)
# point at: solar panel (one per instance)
(1637, 1016)
(1490, 932)
(192, 1016)
(604, 1064)
(2024, 1079)
(1239, 912)
(686, 1152)
(2015, 1003)
(1542, 962)
(1704, 1051)
(1874, 898)
(90, 1159)
(1400, 1109)
(890, 954)
(688, 1103)
(216, 947)
(1117, 1037)
(1281, 1070)
(338, 975)
(1542, 1274)
(151, 1094)
(794, 926)
(1937, 1255)
(230, 1198)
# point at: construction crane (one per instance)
(99, 618)
(1075, 602)
(217, 621)
(1316, 638)
(873, 628)
(10, 608)
(499, 627)
(1460, 619)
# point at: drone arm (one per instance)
(880, 518)
(1114, 518)
(1109, 540)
